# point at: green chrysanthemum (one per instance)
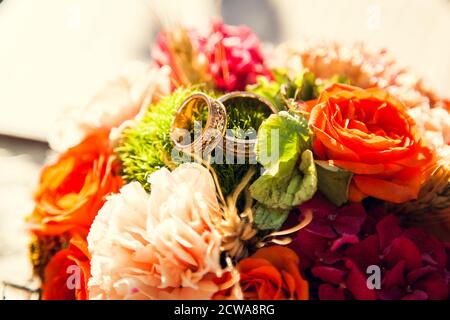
(147, 147)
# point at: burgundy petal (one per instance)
(416, 274)
(345, 239)
(388, 229)
(395, 277)
(328, 274)
(329, 292)
(308, 247)
(403, 249)
(321, 227)
(416, 295)
(356, 282)
(319, 205)
(430, 246)
(349, 219)
(435, 285)
(365, 253)
(394, 293)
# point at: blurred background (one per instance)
(57, 53)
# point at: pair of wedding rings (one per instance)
(200, 123)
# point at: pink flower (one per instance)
(234, 55)
(413, 264)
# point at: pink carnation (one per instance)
(158, 246)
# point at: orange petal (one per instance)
(385, 190)
(354, 194)
(364, 168)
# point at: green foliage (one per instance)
(333, 182)
(245, 114)
(269, 219)
(287, 191)
(230, 175)
(284, 90)
(146, 147)
(283, 140)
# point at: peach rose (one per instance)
(73, 189)
(272, 273)
(369, 133)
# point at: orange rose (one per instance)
(67, 273)
(272, 273)
(369, 133)
(72, 190)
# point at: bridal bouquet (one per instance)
(229, 170)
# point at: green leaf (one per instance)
(266, 88)
(286, 192)
(333, 182)
(308, 88)
(281, 138)
(269, 218)
(285, 87)
(287, 182)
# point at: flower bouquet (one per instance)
(229, 170)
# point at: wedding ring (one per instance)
(243, 148)
(188, 133)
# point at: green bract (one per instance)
(283, 140)
(333, 182)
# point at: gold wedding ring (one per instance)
(188, 133)
(243, 147)
(190, 136)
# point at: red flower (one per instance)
(330, 229)
(67, 273)
(413, 264)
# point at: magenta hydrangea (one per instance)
(340, 244)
